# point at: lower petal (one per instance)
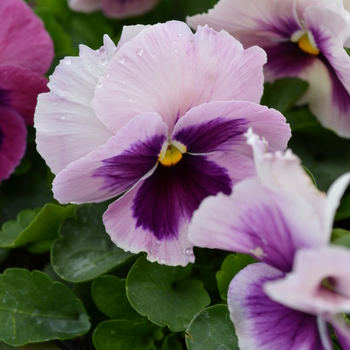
(262, 324)
(12, 141)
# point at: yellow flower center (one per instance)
(172, 156)
(305, 45)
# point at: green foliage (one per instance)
(165, 294)
(212, 329)
(229, 269)
(171, 343)
(124, 334)
(33, 308)
(343, 211)
(85, 251)
(38, 225)
(341, 237)
(109, 294)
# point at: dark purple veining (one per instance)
(1, 138)
(123, 171)
(215, 135)
(284, 27)
(172, 194)
(274, 323)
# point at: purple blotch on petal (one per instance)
(5, 98)
(287, 59)
(131, 165)
(213, 135)
(171, 194)
(285, 27)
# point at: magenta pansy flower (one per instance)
(301, 283)
(113, 8)
(302, 38)
(159, 119)
(26, 54)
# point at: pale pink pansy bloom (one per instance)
(114, 8)
(302, 38)
(26, 54)
(281, 219)
(160, 117)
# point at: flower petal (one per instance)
(276, 20)
(12, 140)
(220, 126)
(169, 70)
(122, 8)
(86, 6)
(303, 289)
(24, 41)
(115, 167)
(23, 87)
(67, 128)
(121, 225)
(342, 330)
(262, 324)
(267, 223)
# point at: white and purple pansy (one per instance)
(113, 8)
(160, 118)
(301, 283)
(26, 54)
(302, 38)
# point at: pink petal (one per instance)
(24, 41)
(23, 87)
(302, 289)
(86, 6)
(67, 128)
(91, 179)
(122, 9)
(12, 141)
(262, 324)
(169, 70)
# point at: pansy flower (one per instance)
(160, 118)
(26, 54)
(302, 38)
(113, 8)
(301, 283)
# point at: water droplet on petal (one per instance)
(108, 75)
(99, 85)
(67, 61)
(130, 99)
(188, 251)
(139, 52)
(122, 60)
(158, 242)
(63, 117)
(104, 62)
(162, 261)
(179, 34)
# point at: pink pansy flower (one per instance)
(301, 283)
(25, 55)
(113, 8)
(160, 117)
(302, 38)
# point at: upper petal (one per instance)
(116, 166)
(84, 5)
(24, 41)
(12, 140)
(220, 126)
(122, 9)
(303, 288)
(262, 324)
(169, 70)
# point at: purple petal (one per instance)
(342, 329)
(12, 141)
(112, 169)
(263, 324)
(126, 8)
(173, 193)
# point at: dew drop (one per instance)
(130, 99)
(63, 117)
(139, 52)
(153, 55)
(108, 75)
(176, 50)
(102, 50)
(104, 62)
(99, 85)
(122, 60)
(179, 34)
(174, 41)
(162, 261)
(67, 61)
(188, 251)
(158, 242)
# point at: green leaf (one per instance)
(39, 346)
(283, 93)
(170, 343)
(343, 211)
(85, 250)
(341, 237)
(229, 269)
(35, 226)
(212, 329)
(33, 308)
(310, 175)
(165, 294)
(124, 334)
(109, 294)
